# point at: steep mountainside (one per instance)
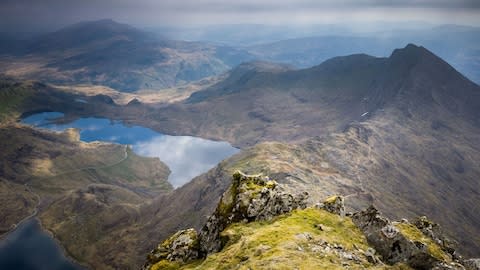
(254, 104)
(116, 55)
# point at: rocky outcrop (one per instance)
(334, 204)
(420, 245)
(403, 242)
(433, 230)
(182, 246)
(249, 198)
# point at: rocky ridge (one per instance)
(370, 240)
(249, 198)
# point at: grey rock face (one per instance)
(180, 247)
(334, 204)
(433, 230)
(391, 243)
(250, 198)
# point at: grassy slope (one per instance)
(292, 241)
(12, 95)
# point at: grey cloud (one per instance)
(16, 13)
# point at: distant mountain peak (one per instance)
(103, 23)
(412, 52)
(83, 34)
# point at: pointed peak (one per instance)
(411, 55)
(409, 50)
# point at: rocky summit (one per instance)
(249, 198)
(257, 225)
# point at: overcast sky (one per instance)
(24, 14)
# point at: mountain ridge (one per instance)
(257, 224)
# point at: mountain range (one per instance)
(458, 45)
(125, 58)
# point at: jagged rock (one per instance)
(181, 247)
(394, 245)
(433, 230)
(253, 197)
(249, 198)
(390, 231)
(334, 204)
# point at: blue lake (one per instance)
(186, 156)
(29, 248)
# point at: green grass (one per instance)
(11, 98)
(281, 236)
(281, 244)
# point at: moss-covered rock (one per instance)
(181, 247)
(433, 230)
(258, 226)
(402, 242)
(249, 198)
(333, 204)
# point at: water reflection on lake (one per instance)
(186, 156)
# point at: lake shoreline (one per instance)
(186, 156)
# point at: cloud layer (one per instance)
(51, 13)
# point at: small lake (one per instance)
(29, 248)
(186, 156)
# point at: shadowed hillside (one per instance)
(116, 55)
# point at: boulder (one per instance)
(433, 230)
(181, 247)
(249, 198)
(401, 242)
(333, 204)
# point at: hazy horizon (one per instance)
(35, 16)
